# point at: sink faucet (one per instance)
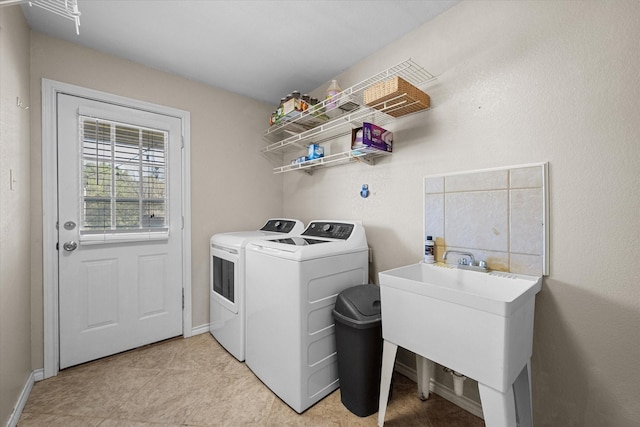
(472, 259)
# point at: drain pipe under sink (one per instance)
(458, 381)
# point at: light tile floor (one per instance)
(195, 382)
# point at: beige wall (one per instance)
(15, 363)
(232, 187)
(525, 82)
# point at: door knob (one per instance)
(70, 246)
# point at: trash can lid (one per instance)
(360, 303)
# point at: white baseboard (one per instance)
(200, 329)
(24, 395)
(443, 391)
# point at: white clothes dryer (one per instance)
(292, 285)
(227, 281)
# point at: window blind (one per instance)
(123, 181)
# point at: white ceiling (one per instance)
(260, 48)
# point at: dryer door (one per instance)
(224, 276)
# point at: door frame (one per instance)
(50, 90)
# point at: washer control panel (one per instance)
(329, 230)
(279, 226)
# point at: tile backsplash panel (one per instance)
(499, 215)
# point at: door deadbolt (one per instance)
(70, 246)
(69, 225)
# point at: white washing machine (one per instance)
(227, 281)
(292, 285)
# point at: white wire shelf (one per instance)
(65, 8)
(330, 130)
(315, 127)
(352, 96)
(364, 155)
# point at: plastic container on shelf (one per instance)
(332, 99)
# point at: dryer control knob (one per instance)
(278, 224)
(327, 227)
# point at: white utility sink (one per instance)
(494, 292)
(476, 323)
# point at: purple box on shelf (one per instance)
(371, 136)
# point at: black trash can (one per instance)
(358, 323)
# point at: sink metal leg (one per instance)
(389, 351)
(425, 369)
(511, 408)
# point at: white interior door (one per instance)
(119, 228)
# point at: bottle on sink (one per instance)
(429, 250)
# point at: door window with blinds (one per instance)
(123, 182)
